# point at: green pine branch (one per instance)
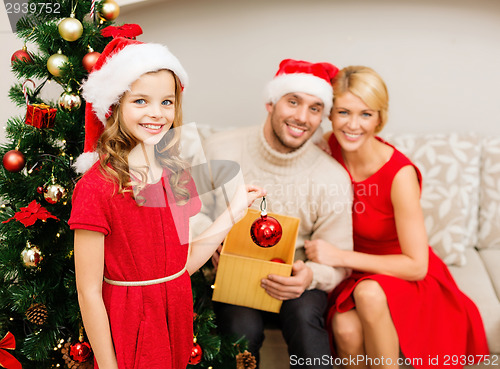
(49, 155)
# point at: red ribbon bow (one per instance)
(8, 361)
(127, 30)
(30, 214)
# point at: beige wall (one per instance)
(440, 59)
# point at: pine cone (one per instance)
(89, 364)
(37, 314)
(245, 360)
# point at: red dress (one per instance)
(433, 318)
(151, 326)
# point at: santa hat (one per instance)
(121, 63)
(302, 76)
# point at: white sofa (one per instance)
(461, 203)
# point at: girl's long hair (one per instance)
(116, 143)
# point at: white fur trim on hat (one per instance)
(105, 86)
(85, 161)
(301, 82)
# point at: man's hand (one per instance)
(287, 288)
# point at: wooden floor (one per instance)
(274, 355)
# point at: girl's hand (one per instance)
(244, 197)
(253, 193)
(322, 252)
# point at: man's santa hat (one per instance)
(121, 63)
(302, 76)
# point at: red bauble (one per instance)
(278, 260)
(90, 59)
(14, 161)
(196, 354)
(21, 55)
(266, 231)
(80, 351)
(40, 190)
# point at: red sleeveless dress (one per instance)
(437, 324)
(151, 326)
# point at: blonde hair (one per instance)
(366, 84)
(116, 143)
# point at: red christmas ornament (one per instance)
(14, 161)
(40, 190)
(80, 351)
(21, 55)
(278, 260)
(90, 59)
(196, 354)
(265, 231)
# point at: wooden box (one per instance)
(243, 264)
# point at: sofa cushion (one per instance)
(475, 281)
(450, 195)
(491, 260)
(489, 209)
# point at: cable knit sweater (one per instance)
(306, 183)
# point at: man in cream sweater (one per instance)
(301, 181)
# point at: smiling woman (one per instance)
(354, 121)
(367, 316)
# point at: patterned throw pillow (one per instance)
(450, 194)
(489, 207)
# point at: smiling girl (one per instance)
(131, 211)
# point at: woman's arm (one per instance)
(204, 246)
(413, 262)
(410, 226)
(89, 268)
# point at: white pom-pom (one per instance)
(85, 161)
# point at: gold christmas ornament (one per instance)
(53, 193)
(55, 62)
(31, 256)
(110, 10)
(69, 101)
(70, 28)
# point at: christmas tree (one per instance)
(38, 301)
